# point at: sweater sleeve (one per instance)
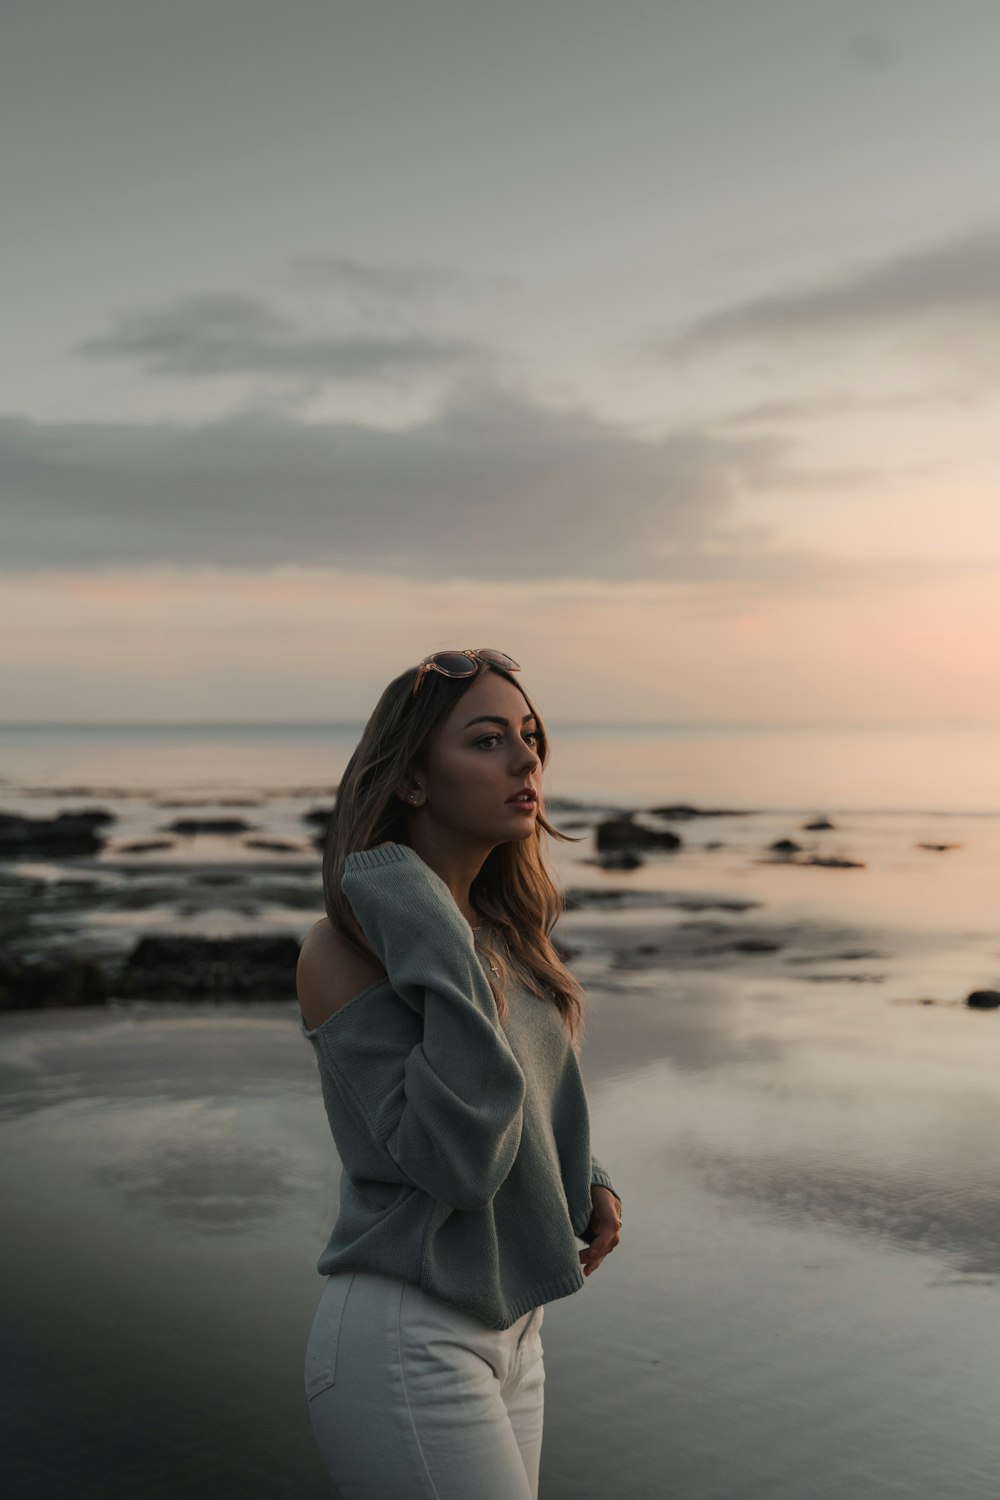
(453, 1122)
(599, 1177)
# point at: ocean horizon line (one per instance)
(562, 724)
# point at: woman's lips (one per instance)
(523, 804)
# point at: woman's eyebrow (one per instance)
(495, 719)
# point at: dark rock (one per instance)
(97, 817)
(280, 846)
(65, 834)
(209, 825)
(166, 802)
(143, 846)
(572, 804)
(845, 978)
(818, 823)
(70, 981)
(318, 815)
(983, 1000)
(244, 968)
(619, 859)
(622, 898)
(679, 810)
(938, 847)
(833, 862)
(785, 846)
(848, 953)
(624, 833)
(830, 861)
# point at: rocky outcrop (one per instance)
(624, 833)
(196, 968)
(67, 833)
(209, 825)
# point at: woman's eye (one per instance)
(530, 734)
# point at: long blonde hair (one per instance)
(514, 894)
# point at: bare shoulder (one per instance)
(329, 973)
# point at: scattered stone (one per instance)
(280, 846)
(618, 859)
(755, 945)
(68, 833)
(684, 810)
(624, 833)
(318, 815)
(115, 793)
(587, 898)
(825, 958)
(144, 846)
(818, 823)
(209, 802)
(983, 1000)
(209, 825)
(845, 978)
(830, 861)
(573, 804)
(785, 846)
(938, 847)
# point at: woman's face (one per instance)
(485, 751)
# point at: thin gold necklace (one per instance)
(488, 959)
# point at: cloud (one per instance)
(493, 487)
(795, 409)
(960, 277)
(226, 334)
(406, 283)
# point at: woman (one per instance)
(446, 1031)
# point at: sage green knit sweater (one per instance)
(465, 1145)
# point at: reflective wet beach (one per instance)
(803, 1304)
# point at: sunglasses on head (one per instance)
(461, 664)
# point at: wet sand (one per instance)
(803, 1304)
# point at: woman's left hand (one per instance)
(606, 1219)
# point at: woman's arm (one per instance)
(453, 1122)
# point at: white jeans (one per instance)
(411, 1399)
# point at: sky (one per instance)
(654, 344)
